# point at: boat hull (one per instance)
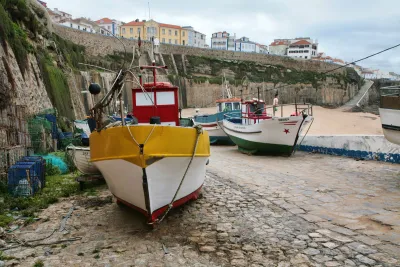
(390, 119)
(81, 159)
(217, 134)
(270, 136)
(148, 180)
(211, 123)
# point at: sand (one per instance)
(327, 121)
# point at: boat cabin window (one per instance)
(219, 106)
(256, 108)
(236, 106)
(228, 107)
(144, 99)
(165, 98)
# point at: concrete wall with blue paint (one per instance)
(368, 147)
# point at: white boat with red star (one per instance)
(266, 133)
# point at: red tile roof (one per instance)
(301, 42)
(278, 43)
(134, 23)
(338, 60)
(170, 26)
(104, 21)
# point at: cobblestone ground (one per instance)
(307, 210)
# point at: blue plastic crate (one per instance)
(38, 170)
(23, 180)
(42, 163)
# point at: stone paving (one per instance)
(307, 210)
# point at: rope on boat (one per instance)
(147, 139)
(295, 149)
(199, 130)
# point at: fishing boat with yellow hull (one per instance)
(144, 164)
(158, 163)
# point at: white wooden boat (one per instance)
(81, 157)
(262, 133)
(156, 164)
(390, 113)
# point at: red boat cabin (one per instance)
(160, 99)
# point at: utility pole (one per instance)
(148, 3)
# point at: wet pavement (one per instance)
(307, 210)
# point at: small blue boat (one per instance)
(231, 107)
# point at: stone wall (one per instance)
(26, 89)
(328, 93)
(99, 45)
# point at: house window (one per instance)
(163, 40)
(138, 30)
(131, 30)
(163, 31)
(108, 28)
(123, 30)
(71, 25)
(169, 32)
(183, 33)
(305, 57)
(176, 41)
(169, 41)
(79, 27)
(176, 33)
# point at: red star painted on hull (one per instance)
(286, 131)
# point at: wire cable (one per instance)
(353, 62)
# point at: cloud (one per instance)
(346, 29)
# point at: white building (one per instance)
(279, 47)
(262, 49)
(302, 48)
(245, 45)
(58, 15)
(110, 26)
(223, 41)
(368, 74)
(195, 38)
(80, 24)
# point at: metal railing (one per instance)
(305, 108)
(390, 90)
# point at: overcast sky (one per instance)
(347, 29)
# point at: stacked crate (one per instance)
(27, 176)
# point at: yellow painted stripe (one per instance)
(164, 141)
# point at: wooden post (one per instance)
(44, 138)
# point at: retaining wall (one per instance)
(368, 147)
(100, 45)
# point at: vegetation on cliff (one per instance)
(11, 31)
(56, 85)
(202, 69)
(19, 29)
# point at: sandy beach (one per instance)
(327, 121)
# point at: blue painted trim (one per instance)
(386, 157)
